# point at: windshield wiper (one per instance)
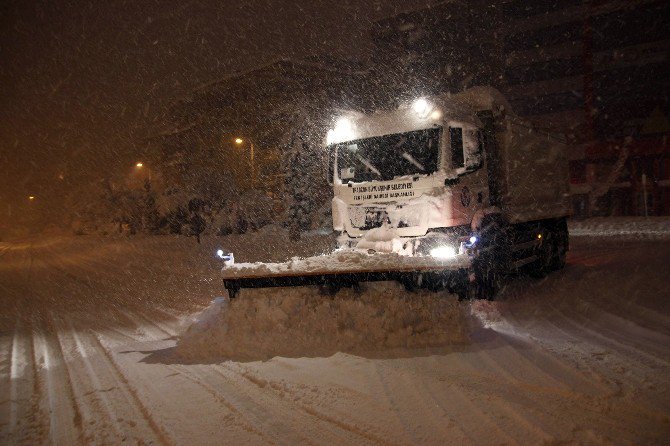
(369, 165)
(413, 161)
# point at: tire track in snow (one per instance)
(151, 330)
(617, 345)
(494, 381)
(466, 405)
(158, 431)
(97, 384)
(21, 412)
(412, 382)
(278, 391)
(571, 344)
(514, 395)
(647, 336)
(559, 342)
(631, 358)
(556, 371)
(243, 408)
(258, 386)
(421, 397)
(614, 392)
(392, 403)
(93, 427)
(528, 416)
(8, 394)
(591, 404)
(167, 331)
(242, 415)
(6, 347)
(4, 251)
(463, 437)
(64, 420)
(236, 410)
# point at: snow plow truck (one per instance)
(448, 192)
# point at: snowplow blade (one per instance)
(341, 269)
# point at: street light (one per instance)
(139, 164)
(239, 141)
(31, 198)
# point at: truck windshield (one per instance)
(389, 156)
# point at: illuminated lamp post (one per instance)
(239, 141)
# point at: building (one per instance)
(595, 71)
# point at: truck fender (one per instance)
(479, 216)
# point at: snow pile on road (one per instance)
(623, 227)
(299, 322)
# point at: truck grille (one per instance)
(367, 218)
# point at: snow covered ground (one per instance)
(97, 346)
(649, 228)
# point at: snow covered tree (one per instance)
(286, 107)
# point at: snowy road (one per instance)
(582, 356)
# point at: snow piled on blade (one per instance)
(346, 260)
(299, 322)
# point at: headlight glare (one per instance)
(443, 252)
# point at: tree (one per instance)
(304, 161)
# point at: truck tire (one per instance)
(545, 255)
(491, 266)
(553, 249)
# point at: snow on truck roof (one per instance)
(422, 113)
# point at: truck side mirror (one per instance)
(456, 143)
(473, 149)
(466, 149)
(332, 152)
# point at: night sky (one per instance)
(84, 82)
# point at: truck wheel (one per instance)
(492, 263)
(489, 281)
(545, 256)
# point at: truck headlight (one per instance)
(443, 252)
(422, 107)
(343, 131)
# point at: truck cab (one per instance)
(418, 172)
